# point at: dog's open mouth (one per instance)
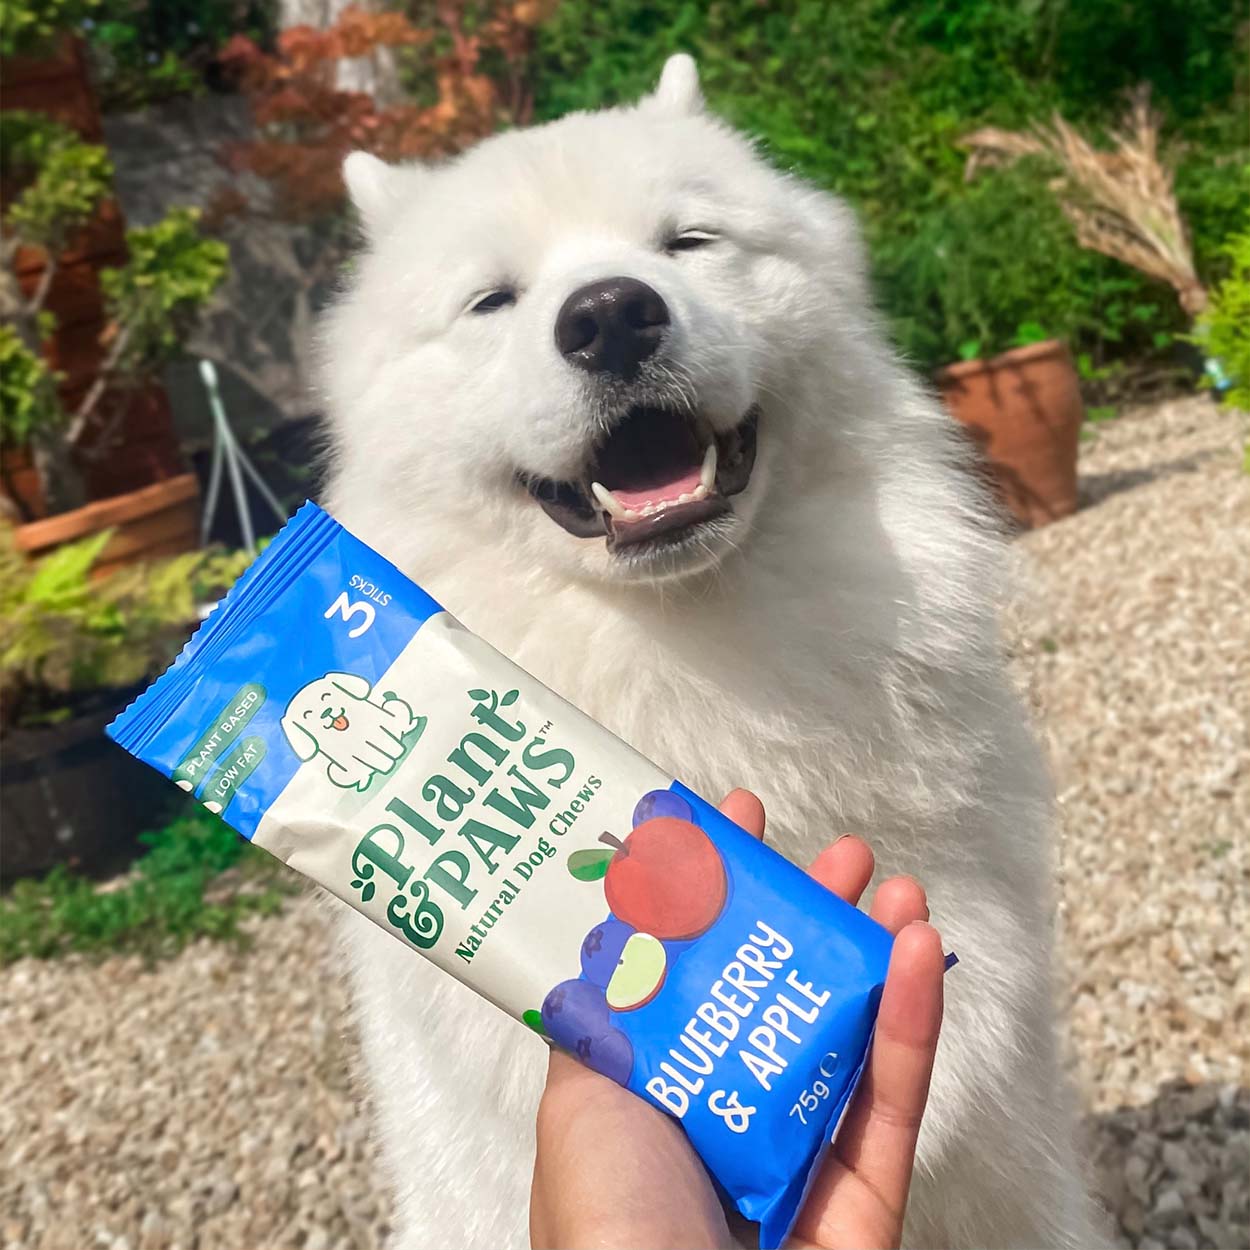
(659, 474)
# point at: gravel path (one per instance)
(205, 1102)
(1134, 647)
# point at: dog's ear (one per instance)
(678, 90)
(377, 189)
(302, 742)
(350, 684)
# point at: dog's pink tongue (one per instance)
(660, 492)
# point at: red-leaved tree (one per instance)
(469, 58)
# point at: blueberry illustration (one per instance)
(662, 803)
(575, 1012)
(610, 1054)
(601, 951)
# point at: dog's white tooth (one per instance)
(686, 498)
(630, 515)
(611, 504)
(699, 492)
(707, 475)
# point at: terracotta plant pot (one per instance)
(21, 494)
(1024, 410)
(160, 520)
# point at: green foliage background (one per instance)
(171, 272)
(62, 179)
(197, 879)
(868, 98)
(61, 631)
(1224, 329)
(143, 51)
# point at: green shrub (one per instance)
(1224, 329)
(63, 179)
(26, 139)
(62, 631)
(143, 52)
(995, 268)
(55, 184)
(28, 399)
(175, 894)
(154, 298)
(28, 26)
(868, 98)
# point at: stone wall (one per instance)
(259, 326)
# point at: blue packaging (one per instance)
(333, 713)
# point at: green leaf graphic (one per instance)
(509, 699)
(590, 865)
(479, 696)
(535, 1020)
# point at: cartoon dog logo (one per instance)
(337, 717)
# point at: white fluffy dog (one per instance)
(613, 391)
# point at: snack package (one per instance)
(333, 713)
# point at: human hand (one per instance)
(613, 1171)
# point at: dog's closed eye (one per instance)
(493, 301)
(688, 240)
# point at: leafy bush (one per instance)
(57, 183)
(28, 399)
(27, 26)
(995, 269)
(175, 894)
(142, 52)
(63, 178)
(868, 98)
(1224, 330)
(61, 631)
(1119, 196)
(152, 299)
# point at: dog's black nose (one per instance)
(611, 326)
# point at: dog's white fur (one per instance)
(836, 649)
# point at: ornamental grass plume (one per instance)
(1120, 200)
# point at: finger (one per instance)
(613, 1171)
(563, 1071)
(899, 902)
(878, 1140)
(845, 868)
(573, 1099)
(745, 809)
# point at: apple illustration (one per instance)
(666, 879)
(639, 974)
